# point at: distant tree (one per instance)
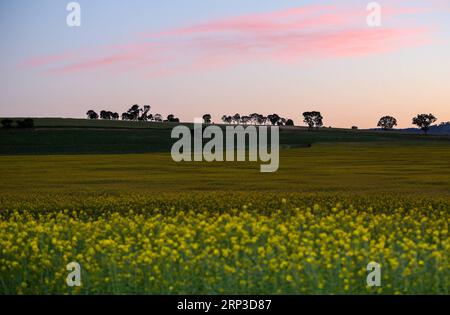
(115, 116)
(207, 118)
(354, 127)
(289, 122)
(313, 119)
(245, 120)
(257, 119)
(133, 112)
(227, 119)
(7, 123)
(237, 118)
(144, 111)
(424, 121)
(262, 120)
(254, 118)
(91, 114)
(387, 122)
(157, 118)
(126, 116)
(26, 123)
(171, 118)
(274, 119)
(104, 114)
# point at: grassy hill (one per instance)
(82, 136)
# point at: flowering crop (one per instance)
(214, 243)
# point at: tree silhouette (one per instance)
(126, 116)
(172, 118)
(289, 122)
(227, 119)
(313, 119)
(144, 115)
(92, 114)
(207, 118)
(132, 113)
(274, 119)
(245, 120)
(262, 120)
(157, 118)
(106, 114)
(237, 118)
(424, 121)
(387, 122)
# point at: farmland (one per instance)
(138, 222)
(81, 136)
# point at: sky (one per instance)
(191, 57)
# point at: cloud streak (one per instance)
(286, 36)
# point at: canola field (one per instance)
(311, 228)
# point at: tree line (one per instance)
(313, 119)
(135, 113)
(255, 119)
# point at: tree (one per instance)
(115, 116)
(227, 119)
(144, 116)
(387, 122)
(274, 119)
(157, 118)
(132, 113)
(237, 118)
(7, 123)
(106, 115)
(424, 121)
(262, 120)
(92, 114)
(207, 118)
(245, 120)
(289, 122)
(126, 116)
(254, 118)
(313, 119)
(171, 118)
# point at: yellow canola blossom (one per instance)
(283, 247)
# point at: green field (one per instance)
(81, 136)
(113, 200)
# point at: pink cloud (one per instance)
(290, 35)
(45, 60)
